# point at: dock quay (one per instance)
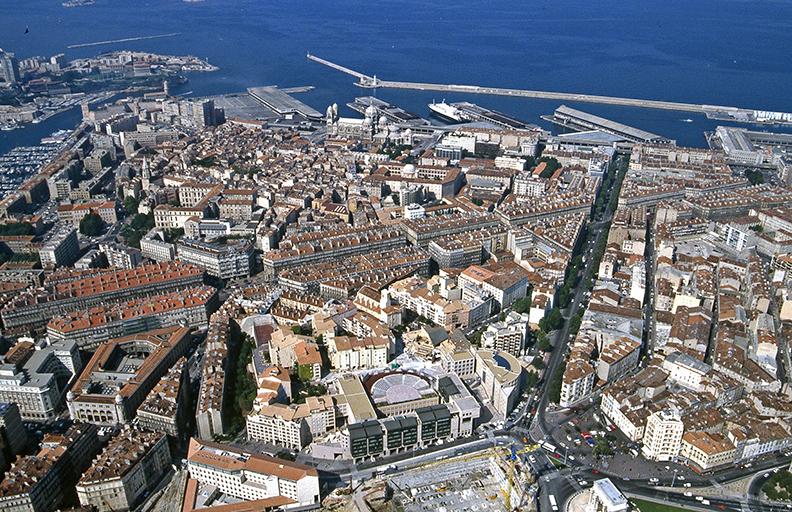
(391, 112)
(577, 120)
(735, 114)
(281, 103)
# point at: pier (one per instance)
(124, 40)
(711, 111)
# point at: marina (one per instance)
(22, 162)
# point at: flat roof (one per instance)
(281, 102)
(607, 124)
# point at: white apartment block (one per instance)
(662, 439)
(38, 387)
(351, 353)
(508, 335)
(251, 477)
(577, 382)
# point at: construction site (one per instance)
(492, 480)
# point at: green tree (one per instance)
(17, 229)
(543, 343)
(304, 372)
(602, 447)
(522, 305)
(131, 205)
(91, 224)
(554, 389)
(297, 329)
(755, 176)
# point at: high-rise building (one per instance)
(9, 68)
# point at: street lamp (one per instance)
(674, 477)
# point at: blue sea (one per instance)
(728, 52)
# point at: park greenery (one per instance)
(137, 229)
(17, 229)
(779, 486)
(241, 384)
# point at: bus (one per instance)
(549, 447)
(553, 503)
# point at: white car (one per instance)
(688, 494)
(532, 459)
(688, 484)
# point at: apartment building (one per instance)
(129, 467)
(121, 256)
(35, 378)
(167, 407)
(61, 248)
(504, 284)
(154, 247)
(135, 362)
(351, 353)
(662, 440)
(74, 213)
(89, 328)
(224, 261)
(212, 391)
(37, 483)
(706, 451)
(251, 477)
(618, 358)
(508, 335)
(292, 426)
(577, 383)
(76, 290)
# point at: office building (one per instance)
(9, 68)
(501, 378)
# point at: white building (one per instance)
(352, 353)
(61, 248)
(501, 378)
(251, 477)
(508, 335)
(662, 439)
(577, 382)
(686, 371)
(414, 211)
(38, 387)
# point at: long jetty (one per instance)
(124, 40)
(374, 82)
